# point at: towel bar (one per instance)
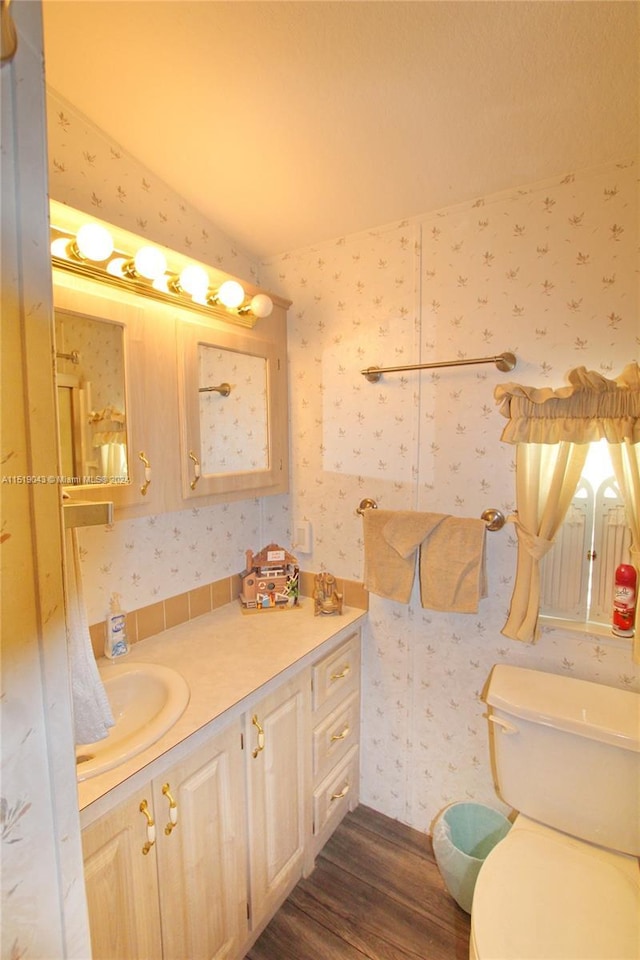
(504, 361)
(494, 519)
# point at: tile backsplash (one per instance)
(156, 617)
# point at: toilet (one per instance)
(564, 884)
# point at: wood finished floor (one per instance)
(375, 893)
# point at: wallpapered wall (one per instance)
(160, 556)
(547, 271)
(89, 171)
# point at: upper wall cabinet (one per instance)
(233, 409)
(172, 376)
(140, 421)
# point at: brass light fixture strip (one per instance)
(98, 273)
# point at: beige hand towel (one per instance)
(386, 573)
(406, 529)
(391, 541)
(452, 566)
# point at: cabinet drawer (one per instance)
(334, 794)
(337, 674)
(335, 736)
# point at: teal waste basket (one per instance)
(464, 834)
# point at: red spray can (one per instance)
(624, 601)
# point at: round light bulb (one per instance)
(161, 283)
(231, 293)
(60, 248)
(150, 263)
(94, 242)
(194, 280)
(116, 267)
(261, 305)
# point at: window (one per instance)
(553, 431)
(577, 575)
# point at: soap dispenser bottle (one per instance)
(116, 643)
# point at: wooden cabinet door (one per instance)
(147, 334)
(275, 756)
(121, 884)
(202, 857)
(233, 402)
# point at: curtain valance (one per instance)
(589, 408)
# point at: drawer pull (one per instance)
(151, 827)
(173, 810)
(260, 747)
(343, 793)
(340, 736)
(343, 673)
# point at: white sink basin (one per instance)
(146, 700)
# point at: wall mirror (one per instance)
(232, 387)
(90, 382)
(233, 411)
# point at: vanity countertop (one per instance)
(225, 657)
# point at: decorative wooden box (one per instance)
(270, 580)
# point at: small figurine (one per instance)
(326, 598)
(270, 580)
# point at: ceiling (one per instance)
(290, 123)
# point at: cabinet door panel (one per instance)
(201, 860)
(150, 395)
(233, 443)
(121, 884)
(276, 781)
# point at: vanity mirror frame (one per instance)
(70, 425)
(274, 478)
(77, 297)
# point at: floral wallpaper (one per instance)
(160, 556)
(90, 172)
(155, 557)
(547, 271)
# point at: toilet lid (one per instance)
(541, 894)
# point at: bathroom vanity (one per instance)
(191, 846)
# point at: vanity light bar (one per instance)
(146, 273)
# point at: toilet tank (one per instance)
(566, 752)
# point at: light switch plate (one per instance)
(302, 536)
